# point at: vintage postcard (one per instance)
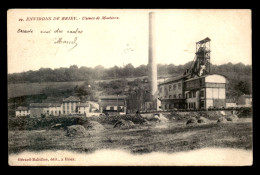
(129, 87)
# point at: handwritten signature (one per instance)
(72, 42)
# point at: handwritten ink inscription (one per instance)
(62, 37)
(60, 40)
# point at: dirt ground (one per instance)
(172, 136)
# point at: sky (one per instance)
(124, 40)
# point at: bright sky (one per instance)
(125, 40)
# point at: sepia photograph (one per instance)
(129, 87)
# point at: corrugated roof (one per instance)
(22, 108)
(71, 98)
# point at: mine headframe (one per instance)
(201, 63)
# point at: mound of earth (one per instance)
(124, 124)
(203, 120)
(191, 120)
(76, 131)
(222, 120)
(232, 118)
(93, 126)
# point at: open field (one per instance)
(171, 136)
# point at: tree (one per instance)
(243, 87)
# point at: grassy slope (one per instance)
(21, 89)
(175, 137)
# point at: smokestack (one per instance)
(152, 65)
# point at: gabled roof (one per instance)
(22, 108)
(71, 99)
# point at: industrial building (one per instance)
(194, 93)
(113, 104)
(197, 88)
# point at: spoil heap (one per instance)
(232, 118)
(222, 120)
(191, 120)
(203, 120)
(124, 124)
(93, 126)
(76, 131)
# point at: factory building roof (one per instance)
(173, 79)
(178, 78)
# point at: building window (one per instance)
(202, 94)
(170, 87)
(194, 93)
(174, 96)
(165, 106)
(165, 89)
(190, 95)
(174, 87)
(170, 97)
(179, 85)
(111, 108)
(202, 104)
(179, 95)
